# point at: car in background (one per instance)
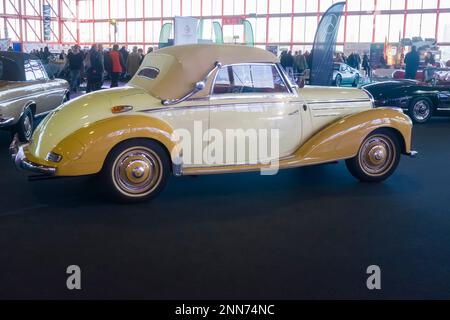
(343, 74)
(420, 101)
(400, 75)
(136, 136)
(26, 92)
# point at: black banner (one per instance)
(325, 45)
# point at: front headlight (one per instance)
(53, 157)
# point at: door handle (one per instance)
(305, 107)
(293, 113)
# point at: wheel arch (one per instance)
(85, 151)
(119, 144)
(30, 104)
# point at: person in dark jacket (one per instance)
(366, 65)
(75, 61)
(95, 70)
(412, 61)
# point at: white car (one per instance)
(343, 74)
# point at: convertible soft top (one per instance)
(180, 67)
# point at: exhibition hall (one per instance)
(212, 150)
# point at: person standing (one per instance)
(133, 62)
(300, 62)
(116, 64)
(290, 64)
(412, 61)
(366, 65)
(75, 60)
(124, 57)
(141, 55)
(46, 56)
(95, 70)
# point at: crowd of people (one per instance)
(96, 65)
(295, 64)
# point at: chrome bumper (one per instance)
(22, 163)
(4, 122)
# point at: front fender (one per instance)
(342, 139)
(85, 150)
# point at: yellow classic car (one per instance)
(26, 92)
(185, 110)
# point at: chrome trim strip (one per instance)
(6, 121)
(443, 109)
(43, 114)
(327, 115)
(327, 108)
(337, 101)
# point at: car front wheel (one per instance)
(420, 110)
(136, 170)
(24, 127)
(377, 158)
(338, 81)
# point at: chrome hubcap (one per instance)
(137, 171)
(377, 155)
(27, 126)
(421, 111)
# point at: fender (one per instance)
(85, 150)
(342, 139)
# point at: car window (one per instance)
(149, 73)
(29, 74)
(37, 70)
(249, 79)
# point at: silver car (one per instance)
(343, 74)
(26, 92)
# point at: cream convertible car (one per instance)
(128, 134)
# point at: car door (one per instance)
(250, 105)
(37, 82)
(54, 92)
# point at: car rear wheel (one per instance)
(420, 110)
(355, 82)
(136, 170)
(377, 158)
(338, 80)
(24, 127)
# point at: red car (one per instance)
(400, 74)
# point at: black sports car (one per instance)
(420, 101)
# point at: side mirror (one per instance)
(200, 85)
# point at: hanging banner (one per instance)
(46, 14)
(185, 30)
(325, 45)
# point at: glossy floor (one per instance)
(305, 233)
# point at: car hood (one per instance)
(394, 89)
(82, 112)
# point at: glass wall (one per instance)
(287, 23)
